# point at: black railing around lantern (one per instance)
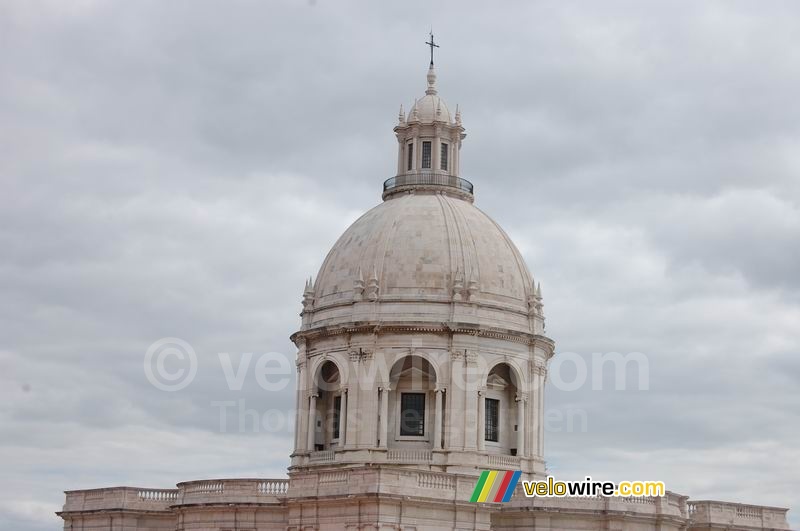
(427, 179)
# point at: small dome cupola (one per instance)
(429, 143)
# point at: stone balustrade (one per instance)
(503, 461)
(402, 455)
(433, 480)
(322, 456)
(671, 505)
(190, 492)
(703, 515)
(120, 498)
(232, 491)
(716, 514)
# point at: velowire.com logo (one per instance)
(495, 486)
(498, 487)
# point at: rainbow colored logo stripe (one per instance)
(495, 487)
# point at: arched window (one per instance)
(492, 427)
(426, 155)
(411, 408)
(329, 407)
(500, 410)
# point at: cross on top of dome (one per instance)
(433, 45)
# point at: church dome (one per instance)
(430, 108)
(415, 255)
(426, 256)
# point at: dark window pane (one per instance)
(412, 414)
(444, 157)
(426, 154)
(492, 431)
(410, 153)
(337, 411)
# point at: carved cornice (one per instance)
(520, 309)
(536, 340)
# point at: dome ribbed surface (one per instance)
(426, 109)
(418, 246)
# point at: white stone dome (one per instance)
(428, 109)
(424, 251)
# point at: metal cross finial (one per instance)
(433, 45)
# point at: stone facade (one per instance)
(421, 361)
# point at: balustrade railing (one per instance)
(428, 178)
(205, 487)
(327, 478)
(739, 514)
(322, 456)
(409, 456)
(505, 461)
(224, 489)
(748, 511)
(641, 500)
(158, 494)
(273, 486)
(436, 481)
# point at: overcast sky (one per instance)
(176, 169)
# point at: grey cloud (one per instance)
(179, 170)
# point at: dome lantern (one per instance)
(428, 148)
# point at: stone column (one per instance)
(343, 420)
(384, 423)
(299, 418)
(356, 436)
(473, 429)
(401, 154)
(312, 420)
(520, 424)
(542, 380)
(481, 420)
(436, 150)
(455, 423)
(437, 428)
(456, 155)
(535, 412)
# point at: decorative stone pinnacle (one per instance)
(431, 81)
(308, 295)
(372, 285)
(472, 288)
(458, 286)
(358, 285)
